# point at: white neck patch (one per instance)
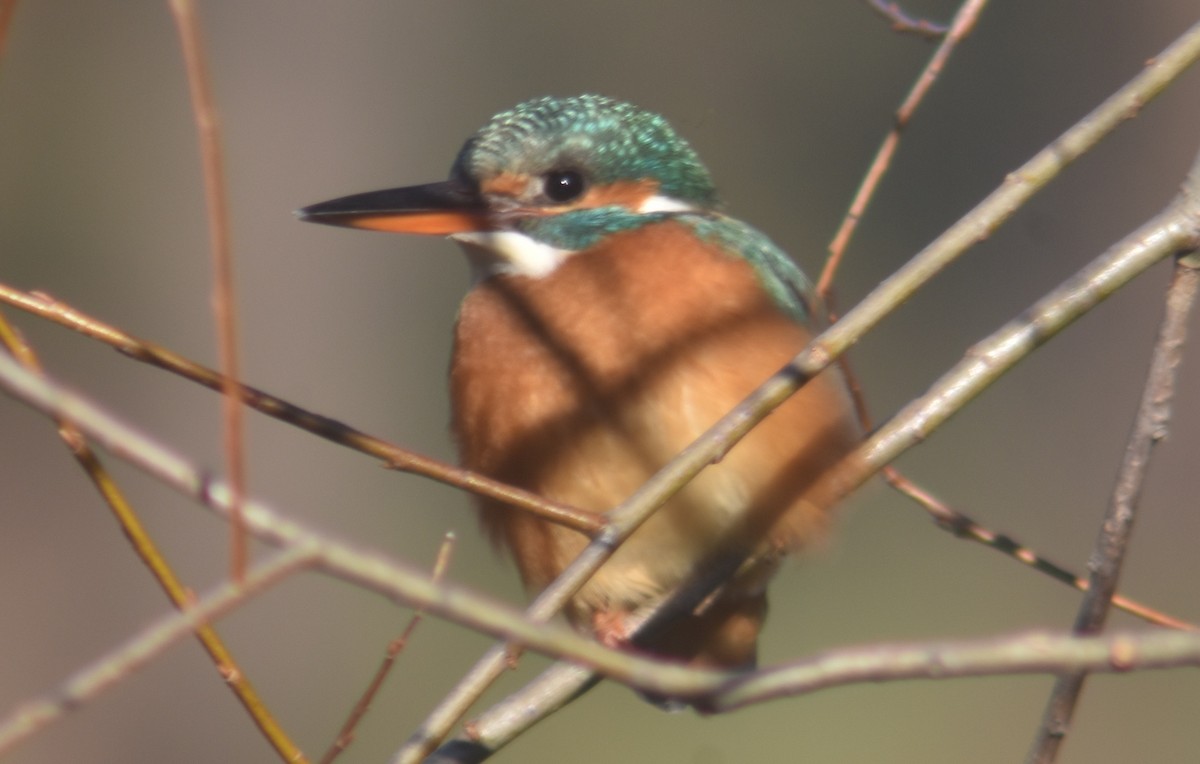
(663, 204)
(509, 252)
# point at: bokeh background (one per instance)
(101, 205)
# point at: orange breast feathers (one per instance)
(581, 384)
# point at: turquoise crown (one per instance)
(606, 139)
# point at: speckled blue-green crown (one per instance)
(608, 140)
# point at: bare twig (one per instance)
(1164, 235)
(394, 456)
(8, 9)
(902, 22)
(151, 556)
(145, 646)
(1150, 427)
(960, 27)
(1026, 653)
(952, 520)
(345, 735)
(224, 302)
(1007, 655)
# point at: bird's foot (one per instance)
(611, 628)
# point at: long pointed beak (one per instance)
(438, 209)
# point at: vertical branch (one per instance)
(7, 9)
(1150, 427)
(224, 307)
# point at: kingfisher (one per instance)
(615, 313)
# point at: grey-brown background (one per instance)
(101, 205)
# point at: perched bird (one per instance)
(614, 315)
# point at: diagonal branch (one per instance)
(962, 526)
(960, 27)
(903, 22)
(395, 457)
(143, 647)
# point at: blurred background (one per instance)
(101, 205)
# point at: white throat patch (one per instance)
(663, 204)
(510, 252)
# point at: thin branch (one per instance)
(960, 27)
(151, 556)
(148, 644)
(904, 23)
(962, 526)
(8, 8)
(345, 735)
(1167, 234)
(1033, 653)
(224, 302)
(551, 691)
(395, 457)
(1153, 419)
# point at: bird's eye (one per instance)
(564, 185)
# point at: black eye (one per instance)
(564, 185)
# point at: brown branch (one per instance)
(345, 735)
(960, 27)
(8, 9)
(962, 526)
(224, 303)
(395, 457)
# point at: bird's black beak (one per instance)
(438, 209)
